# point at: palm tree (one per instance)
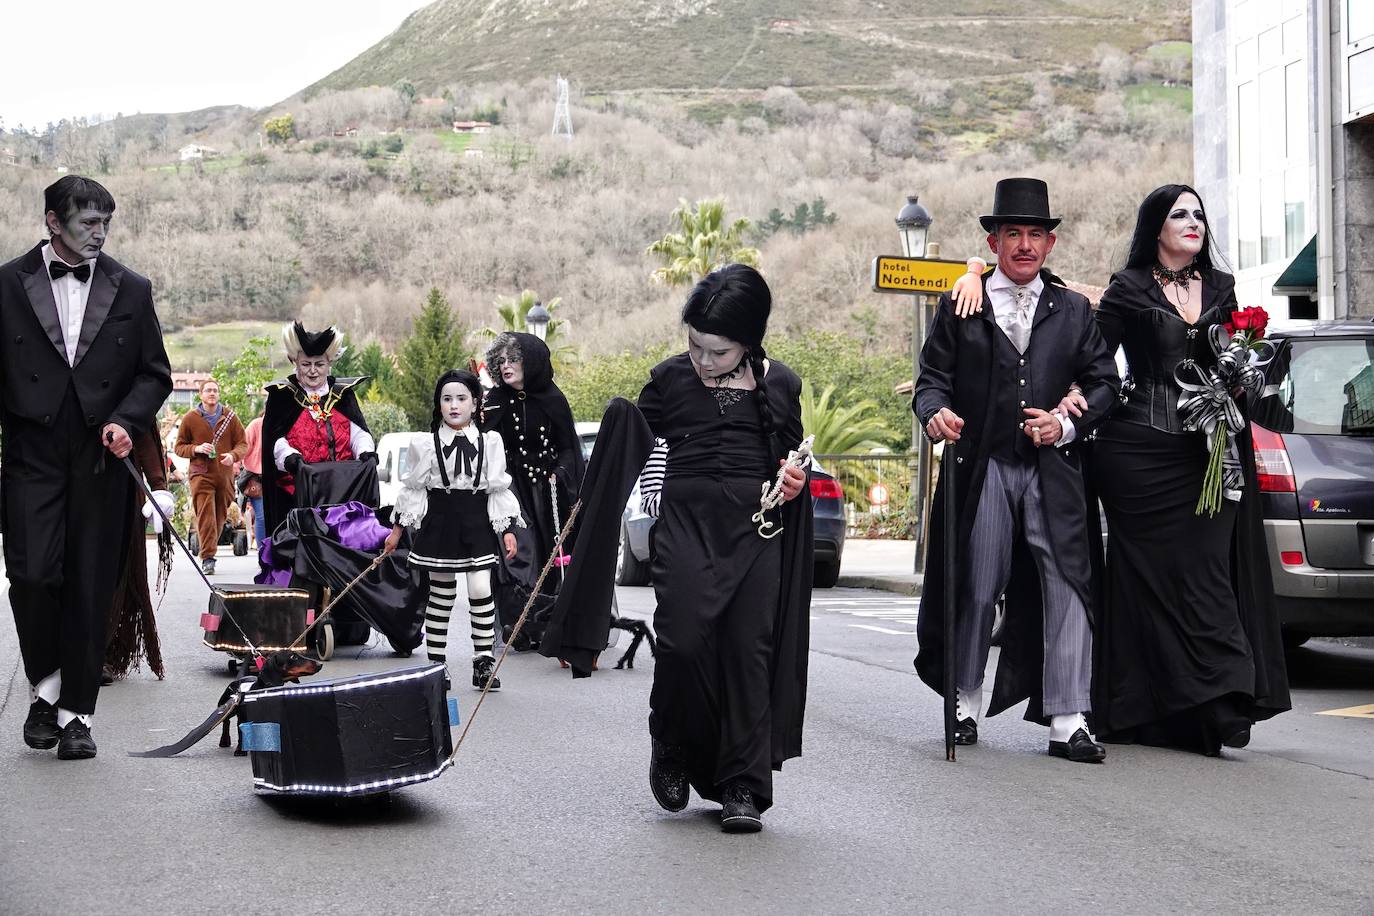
(512, 311)
(841, 429)
(703, 243)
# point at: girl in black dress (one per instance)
(729, 680)
(1188, 647)
(544, 455)
(457, 493)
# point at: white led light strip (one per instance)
(341, 688)
(260, 783)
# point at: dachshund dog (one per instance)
(273, 670)
(276, 669)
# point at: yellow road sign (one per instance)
(1353, 712)
(915, 275)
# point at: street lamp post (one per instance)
(913, 224)
(537, 320)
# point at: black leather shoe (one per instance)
(738, 813)
(76, 742)
(482, 669)
(966, 732)
(1080, 748)
(40, 727)
(1239, 739)
(668, 777)
(107, 676)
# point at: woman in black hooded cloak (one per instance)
(544, 457)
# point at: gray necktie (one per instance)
(1019, 328)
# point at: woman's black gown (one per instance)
(716, 580)
(1187, 645)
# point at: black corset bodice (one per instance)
(1155, 342)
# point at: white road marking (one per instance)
(864, 626)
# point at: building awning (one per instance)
(1299, 278)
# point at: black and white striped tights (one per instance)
(443, 592)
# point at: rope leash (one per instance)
(515, 630)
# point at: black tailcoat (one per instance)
(958, 371)
(64, 500)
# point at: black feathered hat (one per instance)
(300, 342)
(1020, 201)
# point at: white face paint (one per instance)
(79, 237)
(512, 371)
(312, 371)
(1184, 231)
(456, 405)
(712, 355)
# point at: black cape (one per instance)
(282, 410)
(581, 619)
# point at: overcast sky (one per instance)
(79, 58)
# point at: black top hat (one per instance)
(1020, 201)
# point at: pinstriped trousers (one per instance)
(1011, 501)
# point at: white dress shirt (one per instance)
(360, 441)
(422, 475)
(1001, 291)
(70, 294)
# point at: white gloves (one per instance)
(165, 502)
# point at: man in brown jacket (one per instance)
(213, 439)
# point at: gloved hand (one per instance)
(165, 502)
(293, 463)
(368, 456)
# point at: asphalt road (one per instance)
(548, 809)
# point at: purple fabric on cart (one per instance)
(355, 525)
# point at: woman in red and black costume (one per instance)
(310, 417)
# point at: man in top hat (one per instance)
(83, 371)
(988, 384)
(310, 416)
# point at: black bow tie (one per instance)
(466, 451)
(57, 270)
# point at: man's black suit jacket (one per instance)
(121, 374)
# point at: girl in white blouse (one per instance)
(456, 497)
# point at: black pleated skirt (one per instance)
(456, 533)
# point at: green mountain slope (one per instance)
(704, 45)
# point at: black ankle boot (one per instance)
(738, 812)
(668, 776)
(482, 668)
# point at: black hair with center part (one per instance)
(734, 302)
(1150, 218)
(463, 377)
(70, 193)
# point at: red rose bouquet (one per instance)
(1209, 397)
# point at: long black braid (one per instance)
(757, 355)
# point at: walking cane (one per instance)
(947, 464)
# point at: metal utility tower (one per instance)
(562, 117)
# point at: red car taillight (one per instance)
(1272, 466)
(823, 488)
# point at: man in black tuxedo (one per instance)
(990, 383)
(82, 368)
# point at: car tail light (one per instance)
(1291, 557)
(1272, 466)
(826, 488)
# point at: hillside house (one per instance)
(346, 132)
(193, 151)
(8, 157)
(471, 127)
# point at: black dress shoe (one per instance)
(40, 727)
(1239, 739)
(966, 732)
(107, 676)
(76, 742)
(668, 776)
(1080, 748)
(738, 813)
